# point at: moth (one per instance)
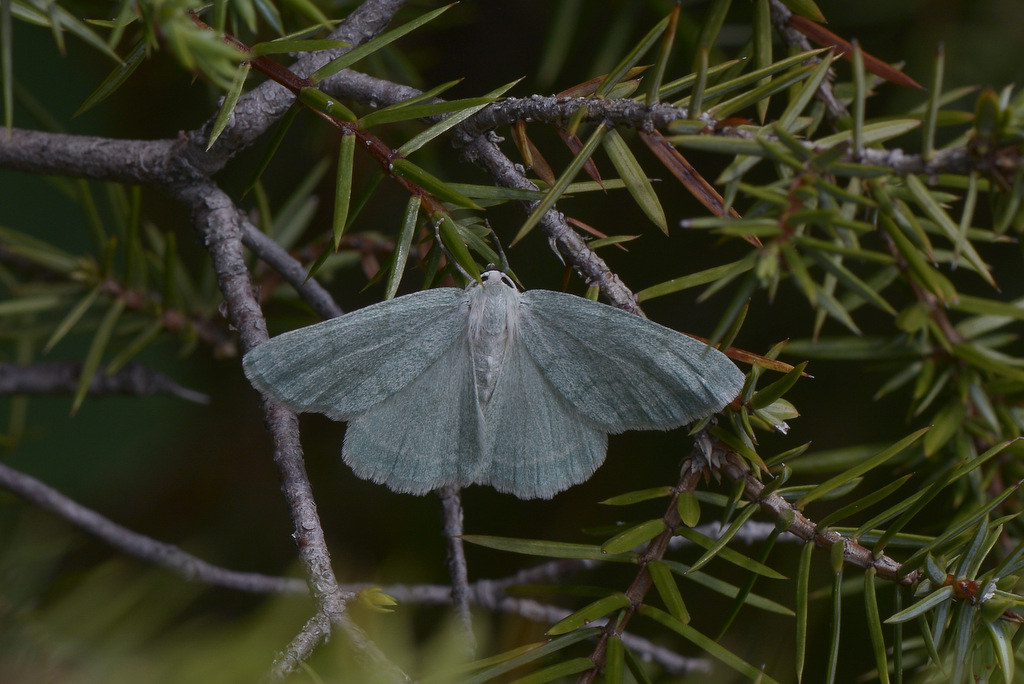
(490, 385)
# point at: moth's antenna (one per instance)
(498, 247)
(503, 266)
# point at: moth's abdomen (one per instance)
(493, 316)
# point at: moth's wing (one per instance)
(346, 365)
(427, 434)
(537, 443)
(621, 371)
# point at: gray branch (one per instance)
(290, 268)
(153, 163)
(140, 546)
(487, 594)
(451, 505)
(780, 18)
(558, 111)
(137, 162)
(62, 377)
(481, 150)
(261, 107)
(632, 114)
(490, 594)
(217, 220)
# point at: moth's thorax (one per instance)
(493, 320)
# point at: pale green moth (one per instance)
(489, 385)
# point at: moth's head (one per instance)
(494, 278)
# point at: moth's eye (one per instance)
(486, 276)
(507, 281)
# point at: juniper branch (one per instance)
(800, 525)
(483, 150)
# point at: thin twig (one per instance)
(216, 218)
(488, 594)
(542, 573)
(318, 298)
(140, 546)
(156, 162)
(451, 506)
(668, 659)
(61, 377)
(314, 632)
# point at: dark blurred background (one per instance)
(201, 476)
